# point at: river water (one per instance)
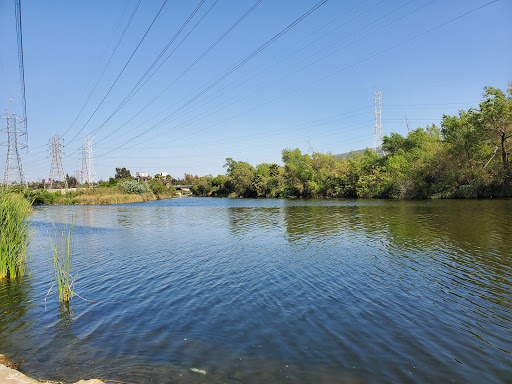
(257, 291)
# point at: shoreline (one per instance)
(10, 374)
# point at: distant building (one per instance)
(142, 176)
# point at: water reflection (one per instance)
(15, 302)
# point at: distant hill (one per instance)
(343, 156)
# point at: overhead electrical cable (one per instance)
(237, 66)
(239, 98)
(122, 71)
(249, 11)
(322, 121)
(21, 64)
(138, 85)
(204, 54)
(128, 23)
(338, 71)
(288, 74)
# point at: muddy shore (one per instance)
(9, 374)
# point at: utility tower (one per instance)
(88, 173)
(57, 170)
(78, 176)
(14, 173)
(377, 110)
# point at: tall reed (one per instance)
(62, 245)
(14, 234)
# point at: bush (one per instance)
(14, 234)
(43, 197)
(157, 187)
(132, 186)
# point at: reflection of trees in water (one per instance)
(244, 220)
(468, 242)
(482, 225)
(15, 302)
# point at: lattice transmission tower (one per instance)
(88, 174)
(14, 173)
(57, 170)
(377, 110)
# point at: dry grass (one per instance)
(101, 196)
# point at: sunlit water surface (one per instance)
(271, 291)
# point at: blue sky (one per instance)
(310, 89)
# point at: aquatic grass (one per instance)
(62, 246)
(14, 234)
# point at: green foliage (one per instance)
(203, 186)
(157, 187)
(122, 173)
(14, 234)
(132, 186)
(42, 197)
(62, 246)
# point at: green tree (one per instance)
(122, 173)
(496, 121)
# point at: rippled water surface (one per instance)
(271, 291)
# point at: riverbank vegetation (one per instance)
(118, 190)
(62, 246)
(14, 234)
(467, 157)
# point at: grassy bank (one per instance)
(14, 234)
(98, 195)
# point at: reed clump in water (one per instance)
(62, 245)
(14, 234)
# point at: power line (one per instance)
(238, 98)
(107, 64)
(236, 67)
(136, 88)
(249, 11)
(335, 72)
(21, 65)
(122, 70)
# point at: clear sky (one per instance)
(310, 88)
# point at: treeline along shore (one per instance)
(467, 157)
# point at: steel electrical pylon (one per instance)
(14, 173)
(57, 170)
(88, 174)
(377, 109)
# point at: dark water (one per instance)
(272, 291)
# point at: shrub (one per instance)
(43, 197)
(132, 186)
(157, 187)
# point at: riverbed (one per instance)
(355, 291)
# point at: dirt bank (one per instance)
(10, 375)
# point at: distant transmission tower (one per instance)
(88, 174)
(13, 168)
(78, 176)
(57, 170)
(377, 108)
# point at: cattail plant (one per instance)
(62, 245)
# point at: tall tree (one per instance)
(496, 119)
(122, 173)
